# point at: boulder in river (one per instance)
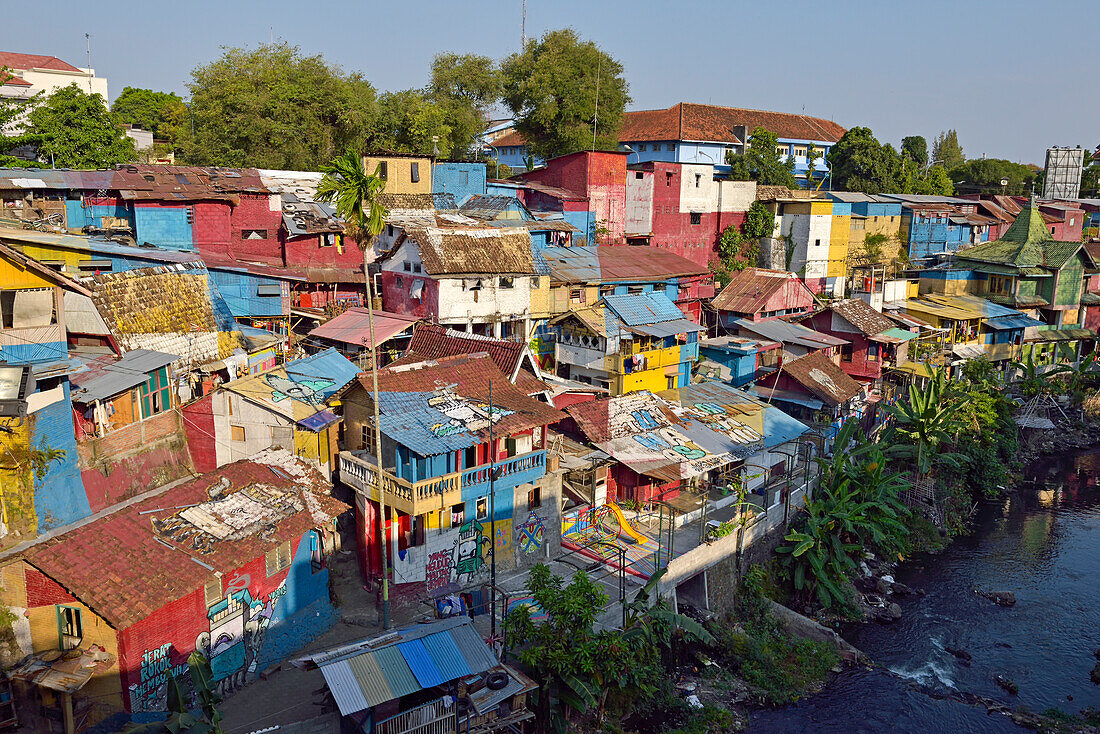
(1094, 676)
(894, 611)
(1006, 683)
(1001, 598)
(959, 653)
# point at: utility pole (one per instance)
(492, 522)
(88, 40)
(383, 518)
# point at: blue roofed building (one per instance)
(629, 342)
(463, 457)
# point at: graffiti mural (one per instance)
(530, 534)
(312, 391)
(464, 415)
(464, 561)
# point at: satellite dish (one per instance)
(1004, 182)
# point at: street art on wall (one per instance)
(530, 534)
(232, 643)
(312, 391)
(717, 418)
(465, 415)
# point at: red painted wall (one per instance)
(859, 368)
(42, 591)
(210, 227)
(600, 177)
(198, 424)
(254, 212)
(131, 476)
(396, 299)
(309, 252)
(673, 230)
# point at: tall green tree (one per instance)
(272, 107)
(551, 88)
(11, 110)
(915, 148)
(761, 163)
(859, 162)
(73, 129)
(162, 113)
(984, 175)
(407, 121)
(946, 150)
(466, 86)
(1090, 181)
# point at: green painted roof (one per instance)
(1025, 245)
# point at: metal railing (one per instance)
(434, 717)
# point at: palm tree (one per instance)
(355, 194)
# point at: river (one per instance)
(1043, 545)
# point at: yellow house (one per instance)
(403, 174)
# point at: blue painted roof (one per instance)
(1014, 321)
(318, 420)
(440, 647)
(420, 662)
(326, 365)
(643, 308)
(408, 419)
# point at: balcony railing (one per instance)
(429, 495)
(434, 717)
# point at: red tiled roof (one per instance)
(14, 81)
(859, 314)
(530, 384)
(712, 123)
(430, 341)
(631, 263)
(468, 375)
(34, 61)
(749, 290)
(124, 569)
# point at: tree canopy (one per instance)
(10, 112)
(162, 113)
(858, 162)
(551, 89)
(73, 129)
(983, 175)
(272, 107)
(915, 148)
(464, 87)
(761, 163)
(946, 150)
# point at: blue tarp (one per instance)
(1015, 321)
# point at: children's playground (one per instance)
(605, 534)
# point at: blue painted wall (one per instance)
(303, 613)
(929, 236)
(741, 362)
(77, 215)
(463, 179)
(168, 227)
(32, 353)
(59, 497)
(240, 294)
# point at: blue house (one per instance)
(461, 179)
(740, 361)
(934, 226)
(444, 445)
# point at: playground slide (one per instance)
(625, 524)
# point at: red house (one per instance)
(231, 564)
(812, 386)
(591, 184)
(873, 340)
(756, 294)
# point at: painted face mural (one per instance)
(305, 391)
(464, 414)
(464, 561)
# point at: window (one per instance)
(638, 175)
(417, 268)
(696, 217)
(668, 179)
(269, 290)
(999, 284)
(213, 591)
(278, 558)
(872, 352)
(253, 234)
(576, 296)
(155, 395)
(535, 283)
(458, 514)
(70, 628)
(670, 382)
(670, 147)
(641, 148)
(236, 433)
(21, 309)
(366, 437)
(507, 283)
(414, 172)
(1052, 230)
(399, 282)
(534, 498)
(634, 290)
(326, 240)
(482, 508)
(659, 287)
(781, 149)
(408, 266)
(817, 243)
(800, 150)
(846, 353)
(698, 179)
(383, 170)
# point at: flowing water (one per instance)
(1044, 546)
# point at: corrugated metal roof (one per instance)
(1017, 321)
(393, 665)
(668, 328)
(348, 689)
(749, 290)
(109, 376)
(788, 333)
(477, 654)
(643, 308)
(420, 662)
(440, 648)
(353, 327)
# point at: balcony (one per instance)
(412, 498)
(359, 471)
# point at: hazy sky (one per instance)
(1012, 76)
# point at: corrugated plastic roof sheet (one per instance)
(353, 326)
(393, 665)
(440, 647)
(479, 658)
(1017, 321)
(643, 308)
(420, 662)
(109, 376)
(788, 333)
(348, 689)
(668, 328)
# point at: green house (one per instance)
(1029, 270)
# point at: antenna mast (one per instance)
(523, 29)
(596, 114)
(88, 40)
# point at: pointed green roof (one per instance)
(1025, 244)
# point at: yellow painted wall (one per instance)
(13, 277)
(652, 380)
(71, 258)
(540, 299)
(838, 245)
(398, 173)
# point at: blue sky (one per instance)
(992, 69)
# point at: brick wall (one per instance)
(213, 221)
(198, 424)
